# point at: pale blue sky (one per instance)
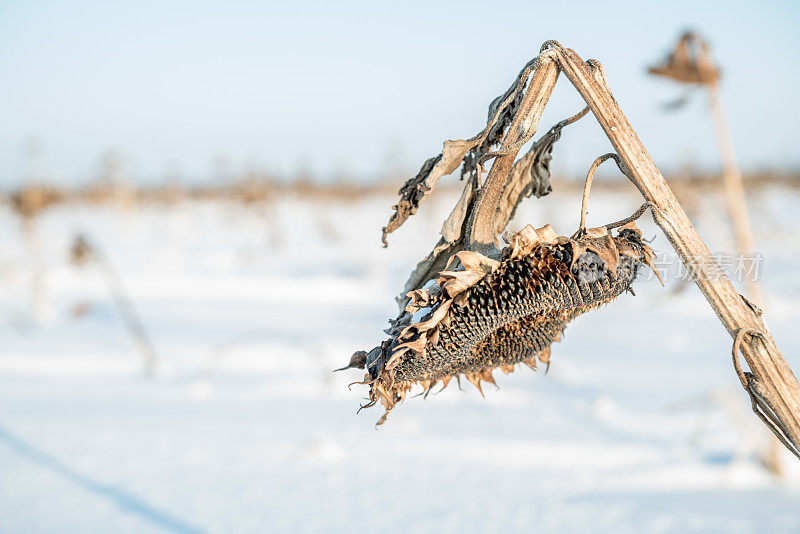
(346, 87)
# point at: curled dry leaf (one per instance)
(524, 241)
(454, 152)
(475, 266)
(357, 361)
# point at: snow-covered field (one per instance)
(640, 425)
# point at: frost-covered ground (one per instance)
(640, 425)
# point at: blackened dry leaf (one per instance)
(357, 361)
(411, 194)
(454, 152)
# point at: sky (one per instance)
(192, 90)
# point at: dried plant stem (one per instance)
(480, 231)
(126, 310)
(38, 288)
(740, 217)
(734, 189)
(778, 391)
(638, 213)
(587, 187)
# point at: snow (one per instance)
(640, 425)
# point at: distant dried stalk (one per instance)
(734, 189)
(81, 253)
(29, 202)
(691, 63)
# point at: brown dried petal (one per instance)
(606, 248)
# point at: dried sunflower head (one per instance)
(80, 252)
(484, 314)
